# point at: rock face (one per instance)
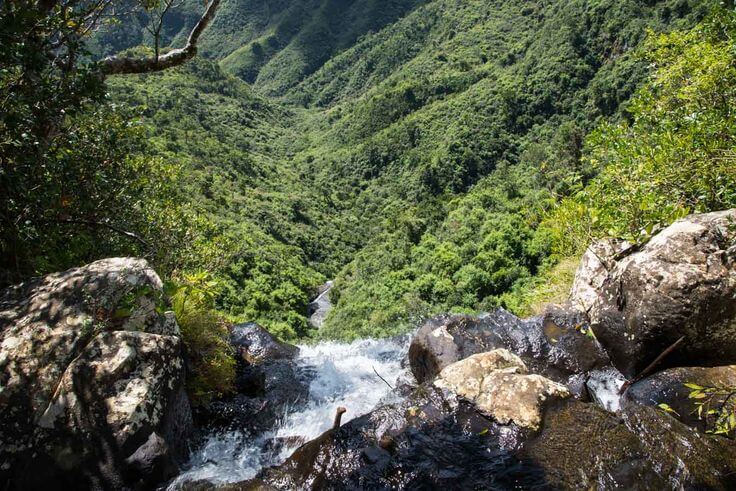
(668, 387)
(553, 344)
(499, 385)
(267, 382)
(429, 442)
(593, 270)
(92, 379)
(681, 283)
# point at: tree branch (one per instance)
(114, 65)
(92, 223)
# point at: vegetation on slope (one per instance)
(452, 156)
(675, 153)
(419, 154)
(264, 221)
(430, 152)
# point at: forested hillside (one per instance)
(436, 155)
(413, 161)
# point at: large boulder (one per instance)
(681, 283)
(581, 446)
(668, 387)
(268, 381)
(499, 385)
(92, 380)
(255, 344)
(554, 344)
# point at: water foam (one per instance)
(345, 375)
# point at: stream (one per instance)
(344, 374)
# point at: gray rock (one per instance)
(668, 387)
(554, 344)
(90, 369)
(593, 270)
(255, 344)
(681, 283)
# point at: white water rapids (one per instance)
(345, 376)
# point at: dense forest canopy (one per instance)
(429, 155)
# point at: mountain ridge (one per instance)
(427, 115)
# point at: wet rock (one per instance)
(554, 344)
(667, 387)
(604, 387)
(581, 446)
(681, 283)
(152, 461)
(90, 370)
(499, 385)
(432, 441)
(255, 344)
(267, 382)
(423, 442)
(265, 392)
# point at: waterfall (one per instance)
(345, 374)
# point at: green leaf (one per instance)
(691, 385)
(667, 408)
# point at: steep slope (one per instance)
(428, 136)
(492, 99)
(229, 147)
(273, 44)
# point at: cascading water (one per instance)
(344, 375)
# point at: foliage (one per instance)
(205, 335)
(677, 153)
(41, 106)
(716, 407)
(75, 180)
(452, 149)
(428, 151)
(551, 285)
(413, 152)
(262, 221)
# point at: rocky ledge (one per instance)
(92, 374)
(502, 402)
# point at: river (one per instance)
(344, 374)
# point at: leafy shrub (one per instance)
(716, 407)
(676, 155)
(205, 334)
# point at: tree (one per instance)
(67, 156)
(157, 62)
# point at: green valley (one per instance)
(417, 151)
(416, 164)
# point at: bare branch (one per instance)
(92, 223)
(121, 65)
